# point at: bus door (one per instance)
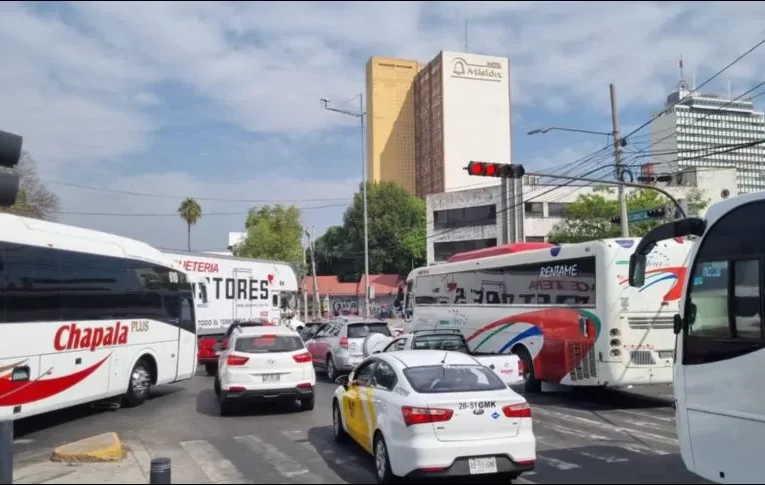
(187, 338)
(242, 307)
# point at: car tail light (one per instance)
(522, 410)
(236, 389)
(303, 357)
(304, 385)
(344, 342)
(236, 360)
(414, 415)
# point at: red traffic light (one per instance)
(488, 169)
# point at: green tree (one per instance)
(589, 216)
(34, 199)
(273, 232)
(396, 234)
(190, 211)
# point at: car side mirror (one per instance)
(637, 270)
(678, 323)
(342, 381)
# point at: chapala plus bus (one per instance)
(566, 311)
(719, 370)
(233, 288)
(86, 316)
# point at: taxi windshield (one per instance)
(432, 379)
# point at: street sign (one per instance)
(642, 215)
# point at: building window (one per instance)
(534, 209)
(484, 215)
(556, 209)
(535, 239)
(442, 250)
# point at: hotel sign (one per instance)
(491, 71)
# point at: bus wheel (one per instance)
(138, 385)
(530, 382)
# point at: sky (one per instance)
(129, 107)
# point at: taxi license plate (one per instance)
(480, 466)
(270, 378)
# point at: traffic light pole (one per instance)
(618, 162)
(675, 202)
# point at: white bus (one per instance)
(567, 311)
(86, 316)
(720, 366)
(232, 288)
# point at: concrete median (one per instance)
(99, 448)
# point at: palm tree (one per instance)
(190, 211)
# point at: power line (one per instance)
(212, 199)
(175, 214)
(732, 63)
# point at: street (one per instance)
(583, 437)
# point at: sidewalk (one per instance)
(133, 469)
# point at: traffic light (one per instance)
(490, 169)
(10, 154)
(650, 179)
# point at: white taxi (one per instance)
(430, 413)
(264, 363)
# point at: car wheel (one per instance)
(216, 385)
(331, 371)
(382, 461)
(337, 423)
(211, 369)
(139, 384)
(226, 406)
(530, 382)
(308, 404)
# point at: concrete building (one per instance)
(462, 113)
(390, 121)
(685, 134)
(467, 219)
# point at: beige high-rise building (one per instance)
(390, 121)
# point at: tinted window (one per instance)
(465, 217)
(268, 344)
(92, 287)
(442, 250)
(723, 312)
(361, 330)
(384, 376)
(33, 280)
(439, 379)
(563, 282)
(440, 342)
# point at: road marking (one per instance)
(283, 464)
(212, 463)
(521, 479)
(328, 454)
(594, 456)
(644, 415)
(572, 432)
(641, 449)
(559, 464)
(603, 425)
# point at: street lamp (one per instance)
(555, 128)
(325, 103)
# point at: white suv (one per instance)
(264, 364)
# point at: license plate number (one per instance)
(481, 466)
(271, 378)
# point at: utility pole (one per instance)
(618, 163)
(311, 241)
(305, 292)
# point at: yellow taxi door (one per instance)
(357, 404)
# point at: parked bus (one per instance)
(719, 377)
(235, 289)
(86, 316)
(567, 311)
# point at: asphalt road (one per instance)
(583, 437)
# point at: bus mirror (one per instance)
(678, 323)
(637, 270)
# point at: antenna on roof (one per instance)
(682, 84)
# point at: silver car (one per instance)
(337, 346)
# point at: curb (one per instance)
(99, 448)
